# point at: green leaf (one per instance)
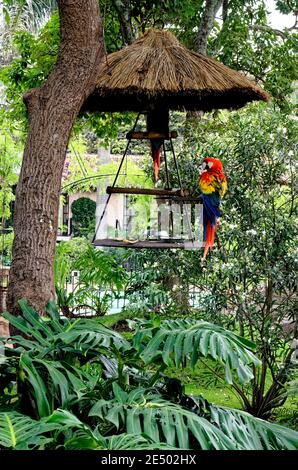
(38, 385)
(58, 378)
(119, 393)
(186, 339)
(64, 418)
(252, 433)
(21, 432)
(53, 311)
(163, 421)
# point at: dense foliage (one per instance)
(100, 280)
(247, 282)
(79, 385)
(83, 216)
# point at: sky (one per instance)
(278, 20)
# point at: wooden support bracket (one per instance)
(138, 135)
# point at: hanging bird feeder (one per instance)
(148, 217)
(154, 75)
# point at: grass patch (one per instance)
(111, 320)
(287, 415)
(202, 381)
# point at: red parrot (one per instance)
(213, 185)
(157, 123)
(155, 152)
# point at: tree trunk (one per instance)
(205, 27)
(123, 8)
(52, 111)
(225, 8)
(206, 24)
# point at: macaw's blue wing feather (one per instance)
(211, 207)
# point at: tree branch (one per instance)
(292, 7)
(259, 27)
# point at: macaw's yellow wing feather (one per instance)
(223, 188)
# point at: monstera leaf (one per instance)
(143, 413)
(207, 427)
(247, 432)
(83, 437)
(54, 333)
(253, 433)
(19, 432)
(176, 341)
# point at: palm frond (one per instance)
(30, 15)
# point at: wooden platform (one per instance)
(139, 135)
(142, 243)
(182, 195)
(148, 191)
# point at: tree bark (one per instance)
(225, 8)
(52, 110)
(123, 8)
(206, 24)
(205, 27)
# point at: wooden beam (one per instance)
(139, 135)
(150, 191)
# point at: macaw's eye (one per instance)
(210, 164)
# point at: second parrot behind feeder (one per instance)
(157, 122)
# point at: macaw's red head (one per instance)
(212, 165)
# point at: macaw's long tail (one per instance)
(155, 152)
(156, 161)
(210, 235)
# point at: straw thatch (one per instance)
(157, 71)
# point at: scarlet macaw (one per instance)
(213, 185)
(155, 148)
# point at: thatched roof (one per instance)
(157, 71)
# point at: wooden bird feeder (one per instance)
(154, 75)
